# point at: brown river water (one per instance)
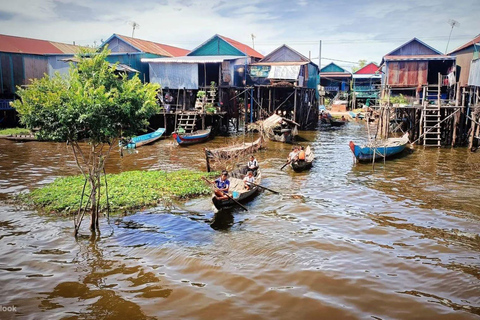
(342, 241)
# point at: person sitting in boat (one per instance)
(248, 180)
(252, 165)
(222, 184)
(301, 154)
(293, 155)
(343, 118)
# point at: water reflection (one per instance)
(222, 220)
(338, 239)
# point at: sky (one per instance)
(349, 30)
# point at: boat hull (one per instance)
(236, 184)
(335, 123)
(299, 166)
(144, 139)
(193, 138)
(367, 154)
(228, 203)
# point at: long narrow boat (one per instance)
(144, 139)
(237, 191)
(199, 136)
(380, 149)
(337, 123)
(302, 165)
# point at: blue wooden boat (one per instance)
(144, 139)
(354, 115)
(199, 136)
(379, 149)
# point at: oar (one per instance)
(263, 187)
(230, 197)
(288, 162)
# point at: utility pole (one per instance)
(253, 41)
(320, 55)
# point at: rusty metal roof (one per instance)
(468, 44)
(243, 47)
(192, 59)
(67, 48)
(154, 47)
(418, 57)
(14, 44)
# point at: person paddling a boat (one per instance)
(292, 156)
(248, 179)
(222, 184)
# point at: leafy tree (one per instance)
(361, 63)
(90, 109)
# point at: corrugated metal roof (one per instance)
(370, 68)
(367, 76)
(335, 75)
(34, 46)
(243, 47)
(468, 44)
(154, 47)
(67, 48)
(287, 63)
(418, 58)
(192, 59)
(414, 40)
(285, 53)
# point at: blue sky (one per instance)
(349, 30)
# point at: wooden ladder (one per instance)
(187, 121)
(431, 116)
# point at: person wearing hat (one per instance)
(222, 184)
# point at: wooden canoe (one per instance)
(379, 149)
(199, 136)
(144, 139)
(238, 191)
(302, 165)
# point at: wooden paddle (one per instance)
(288, 162)
(229, 196)
(263, 187)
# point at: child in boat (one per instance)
(222, 184)
(249, 178)
(301, 154)
(252, 165)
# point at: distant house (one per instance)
(129, 51)
(287, 82)
(468, 63)
(413, 65)
(366, 84)
(334, 79)
(22, 59)
(215, 60)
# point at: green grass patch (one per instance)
(127, 190)
(14, 131)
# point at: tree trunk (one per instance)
(94, 205)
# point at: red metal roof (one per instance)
(154, 47)
(370, 68)
(243, 47)
(34, 46)
(468, 44)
